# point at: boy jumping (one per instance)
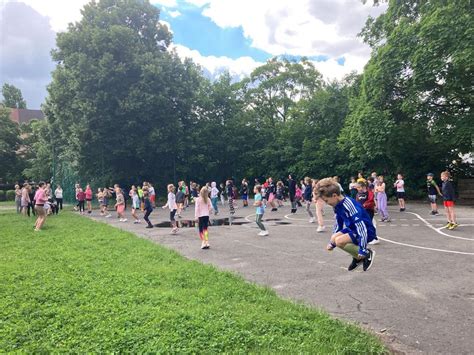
(353, 228)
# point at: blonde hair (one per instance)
(204, 193)
(170, 188)
(307, 180)
(327, 187)
(446, 173)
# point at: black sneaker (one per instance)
(369, 260)
(149, 226)
(274, 209)
(354, 264)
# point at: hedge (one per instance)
(10, 195)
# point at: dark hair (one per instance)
(41, 184)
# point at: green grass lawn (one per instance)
(82, 286)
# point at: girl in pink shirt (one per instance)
(89, 198)
(40, 198)
(201, 213)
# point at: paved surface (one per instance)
(419, 295)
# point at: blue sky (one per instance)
(193, 30)
(220, 35)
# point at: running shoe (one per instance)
(453, 225)
(374, 242)
(435, 213)
(311, 220)
(448, 225)
(368, 261)
(354, 264)
(320, 229)
(149, 226)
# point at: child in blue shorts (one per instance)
(353, 229)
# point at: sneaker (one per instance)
(435, 213)
(354, 264)
(320, 229)
(374, 242)
(149, 226)
(293, 210)
(368, 261)
(274, 209)
(453, 225)
(311, 220)
(402, 210)
(136, 222)
(124, 220)
(174, 230)
(264, 233)
(108, 216)
(448, 225)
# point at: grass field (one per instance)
(82, 286)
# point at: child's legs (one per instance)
(205, 227)
(345, 242)
(319, 212)
(450, 213)
(258, 220)
(382, 204)
(89, 205)
(145, 217)
(172, 219)
(308, 209)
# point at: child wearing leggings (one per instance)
(201, 213)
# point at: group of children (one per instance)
(354, 228)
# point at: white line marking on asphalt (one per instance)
(425, 248)
(437, 230)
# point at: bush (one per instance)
(3, 195)
(10, 195)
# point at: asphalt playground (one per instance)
(418, 296)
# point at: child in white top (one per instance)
(400, 185)
(171, 204)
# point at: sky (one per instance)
(220, 35)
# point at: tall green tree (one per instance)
(10, 142)
(118, 99)
(413, 110)
(12, 97)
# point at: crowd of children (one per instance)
(355, 213)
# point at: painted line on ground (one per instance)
(438, 230)
(425, 248)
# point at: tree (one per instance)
(118, 99)
(9, 144)
(412, 112)
(12, 97)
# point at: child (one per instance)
(147, 207)
(201, 213)
(307, 196)
(433, 190)
(279, 193)
(89, 198)
(365, 197)
(260, 210)
(298, 195)
(152, 195)
(353, 228)
(214, 197)
(230, 199)
(382, 199)
(81, 197)
(319, 203)
(180, 199)
(400, 185)
(100, 200)
(223, 193)
(448, 197)
(270, 192)
(120, 204)
(244, 191)
(135, 203)
(171, 204)
(353, 187)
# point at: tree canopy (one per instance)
(124, 108)
(12, 97)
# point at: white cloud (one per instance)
(174, 13)
(166, 3)
(60, 12)
(214, 66)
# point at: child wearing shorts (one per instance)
(448, 197)
(120, 204)
(433, 191)
(353, 228)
